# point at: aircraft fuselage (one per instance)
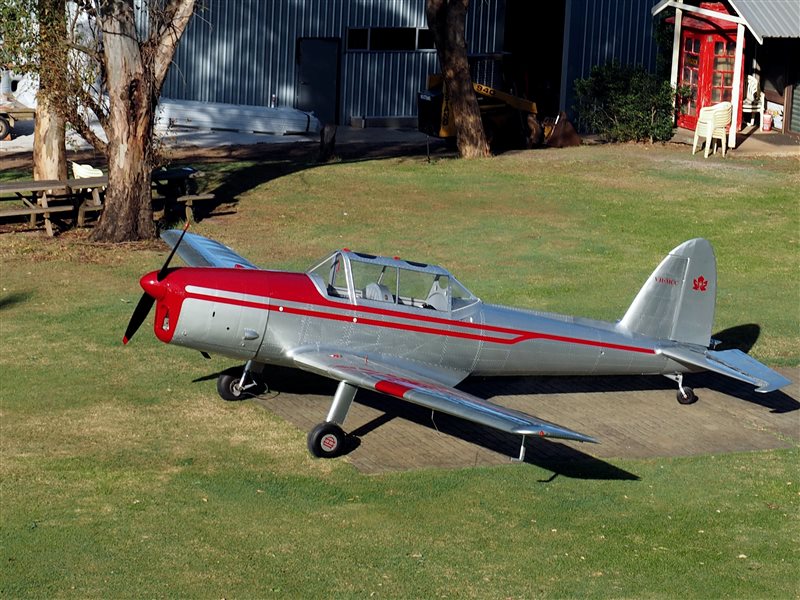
(266, 315)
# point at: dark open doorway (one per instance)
(534, 35)
(318, 77)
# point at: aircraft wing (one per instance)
(199, 251)
(732, 363)
(407, 385)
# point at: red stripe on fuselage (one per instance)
(298, 288)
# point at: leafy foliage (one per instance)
(624, 103)
(19, 34)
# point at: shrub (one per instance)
(623, 103)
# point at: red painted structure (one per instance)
(708, 48)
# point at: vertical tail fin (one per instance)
(677, 302)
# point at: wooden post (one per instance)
(676, 50)
(327, 143)
(736, 92)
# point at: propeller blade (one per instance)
(139, 315)
(146, 301)
(163, 272)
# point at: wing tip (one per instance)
(557, 433)
(773, 385)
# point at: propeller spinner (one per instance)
(148, 299)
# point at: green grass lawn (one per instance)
(122, 474)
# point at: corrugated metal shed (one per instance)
(246, 51)
(770, 18)
(605, 30)
(599, 31)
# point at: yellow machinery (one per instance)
(505, 116)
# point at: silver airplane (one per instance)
(412, 331)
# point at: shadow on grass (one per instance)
(273, 161)
(9, 300)
(741, 337)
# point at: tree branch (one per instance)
(75, 119)
(175, 19)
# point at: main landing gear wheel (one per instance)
(326, 440)
(687, 396)
(229, 388)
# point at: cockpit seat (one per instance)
(437, 298)
(379, 292)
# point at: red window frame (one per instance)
(707, 67)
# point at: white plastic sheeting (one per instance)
(234, 117)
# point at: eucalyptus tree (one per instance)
(33, 34)
(105, 62)
(447, 20)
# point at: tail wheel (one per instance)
(326, 440)
(687, 396)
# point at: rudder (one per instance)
(677, 302)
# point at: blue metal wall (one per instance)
(243, 52)
(598, 31)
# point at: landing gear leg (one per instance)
(327, 439)
(685, 395)
(521, 457)
(232, 387)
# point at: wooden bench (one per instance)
(94, 186)
(36, 197)
(188, 202)
(29, 210)
(84, 195)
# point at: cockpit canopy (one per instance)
(364, 278)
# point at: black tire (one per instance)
(326, 440)
(228, 387)
(5, 128)
(687, 396)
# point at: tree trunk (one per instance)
(136, 72)
(49, 149)
(447, 20)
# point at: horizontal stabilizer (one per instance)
(199, 251)
(731, 363)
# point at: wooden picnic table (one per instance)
(82, 195)
(36, 197)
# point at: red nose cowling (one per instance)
(154, 288)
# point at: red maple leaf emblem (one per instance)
(700, 284)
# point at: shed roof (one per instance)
(764, 18)
(770, 18)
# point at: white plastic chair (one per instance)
(80, 171)
(712, 124)
(753, 101)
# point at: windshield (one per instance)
(391, 281)
(333, 274)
